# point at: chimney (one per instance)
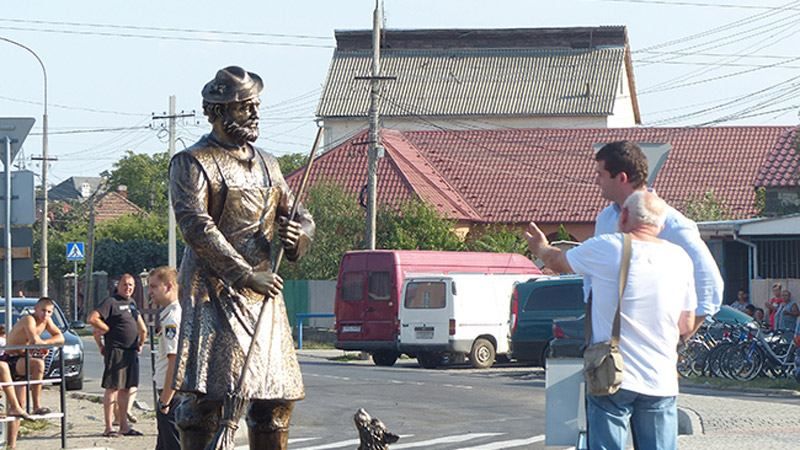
(122, 190)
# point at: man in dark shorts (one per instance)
(124, 332)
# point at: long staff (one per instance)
(235, 401)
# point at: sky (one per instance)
(112, 64)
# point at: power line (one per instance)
(76, 108)
(700, 4)
(168, 29)
(92, 130)
(166, 38)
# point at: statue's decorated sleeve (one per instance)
(189, 187)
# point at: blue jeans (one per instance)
(654, 421)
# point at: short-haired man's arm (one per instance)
(686, 324)
(142, 329)
(97, 322)
(56, 337)
(168, 392)
(28, 324)
(707, 279)
(552, 257)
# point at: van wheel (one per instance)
(384, 358)
(482, 354)
(429, 360)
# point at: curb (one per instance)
(787, 393)
(689, 422)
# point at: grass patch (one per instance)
(759, 383)
(347, 357)
(32, 426)
(316, 345)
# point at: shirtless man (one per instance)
(28, 331)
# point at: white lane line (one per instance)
(506, 444)
(457, 386)
(291, 441)
(445, 440)
(340, 444)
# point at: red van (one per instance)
(369, 287)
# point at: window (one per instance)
(380, 286)
(352, 286)
(425, 295)
(559, 297)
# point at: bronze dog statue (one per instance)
(372, 432)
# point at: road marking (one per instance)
(339, 444)
(458, 386)
(446, 440)
(506, 444)
(291, 441)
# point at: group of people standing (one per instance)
(120, 333)
(782, 311)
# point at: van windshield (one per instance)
(425, 295)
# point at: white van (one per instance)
(456, 315)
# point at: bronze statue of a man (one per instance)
(229, 196)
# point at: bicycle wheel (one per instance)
(746, 362)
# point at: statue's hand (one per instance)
(289, 231)
(266, 283)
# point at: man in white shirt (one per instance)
(656, 309)
(163, 284)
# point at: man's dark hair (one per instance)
(45, 301)
(625, 156)
(750, 309)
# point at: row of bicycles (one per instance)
(739, 351)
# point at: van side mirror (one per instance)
(77, 325)
(453, 287)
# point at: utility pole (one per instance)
(374, 126)
(89, 286)
(172, 242)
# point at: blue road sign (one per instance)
(75, 251)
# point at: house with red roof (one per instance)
(779, 175)
(475, 79)
(546, 175)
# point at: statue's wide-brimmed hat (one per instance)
(232, 84)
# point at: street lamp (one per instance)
(43, 277)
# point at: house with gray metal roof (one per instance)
(462, 79)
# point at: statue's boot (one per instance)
(268, 424)
(195, 439)
(197, 420)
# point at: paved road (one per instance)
(464, 408)
(459, 408)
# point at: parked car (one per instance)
(73, 346)
(534, 306)
(456, 316)
(569, 334)
(369, 284)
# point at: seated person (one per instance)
(28, 331)
(13, 407)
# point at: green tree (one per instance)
(291, 162)
(706, 207)
(150, 227)
(340, 228)
(146, 178)
(416, 226)
(497, 239)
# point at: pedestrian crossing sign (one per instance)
(75, 251)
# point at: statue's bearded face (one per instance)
(240, 120)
